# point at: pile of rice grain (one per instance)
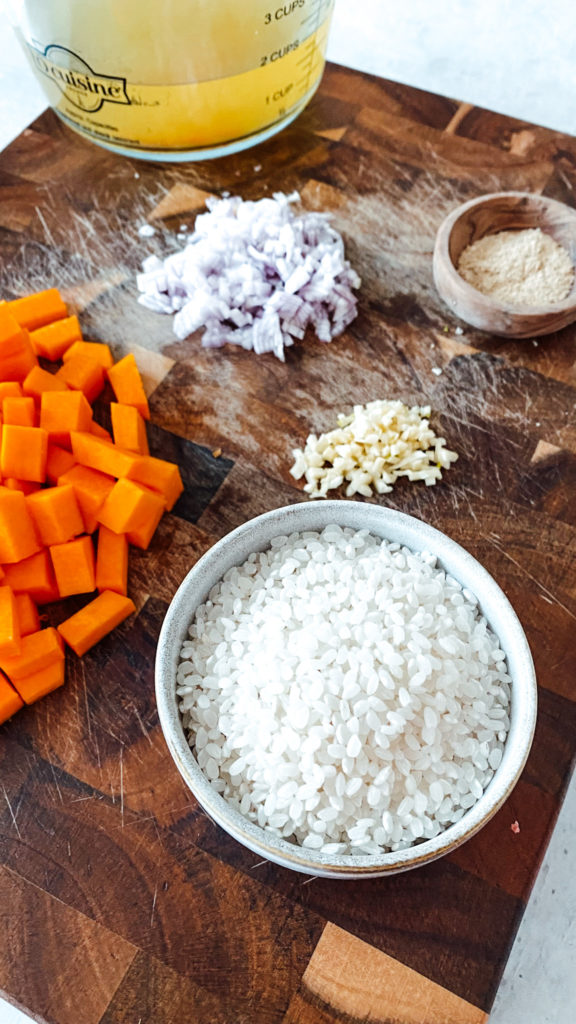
(344, 693)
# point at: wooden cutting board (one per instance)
(120, 901)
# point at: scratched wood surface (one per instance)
(119, 900)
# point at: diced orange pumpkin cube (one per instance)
(129, 428)
(99, 431)
(112, 561)
(141, 536)
(10, 701)
(26, 486)
(92, 489)
(18, 538)
(9, 623)
(17, 356)
(38, 684)
(84, 629)
(61, 413)
(10, 389)
(11, 334)
(160, 476)
(37, 651)
(96, 350)
(33, 311)
(32, 687)
(27, 612)
(21, 412)
(74, 566)
(55, 339)
(33, 576)
(10, 331)
(58, 462)
(131, 508)
(24, 452)
(38, 381)
(96, 453)
(82, 373)
(127, 385)
(56, 514)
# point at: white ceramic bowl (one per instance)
(256, 535)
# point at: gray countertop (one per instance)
(527, 69)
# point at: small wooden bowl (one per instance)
(502, 211)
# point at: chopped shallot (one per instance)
(255, 274)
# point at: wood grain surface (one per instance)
(121, 902)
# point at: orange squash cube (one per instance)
(24, 452)
(96, 350)
(132, 508)
(36, 685)
(26, 486)
(129, 428)
(91, 488)
(27, 612)
(112, 561)
(60, 413)
(158, 475)
(10, 701)
(37, 651)
(20, 412)
(99, 431)
(84, 629)
(56, 514)
(127, 385)
(17, 356)
(141, 536)
(33, 576)
(18, 538)
(38, 381)
(9, 623)
(99, 454)
(55, 339)
(58, 462)
(10, 389)
(74, 567)
(82, 373)
(10, 334)
(33, 311)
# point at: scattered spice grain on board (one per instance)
(64, 477)
(519, 268)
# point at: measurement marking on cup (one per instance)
(309, 49)
(308, 61)
(315, 12)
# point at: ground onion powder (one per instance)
(344, 692)
(519, 268)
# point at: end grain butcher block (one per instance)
(120, 901)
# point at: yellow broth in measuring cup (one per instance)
(176, 79)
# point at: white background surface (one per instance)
(517, 57)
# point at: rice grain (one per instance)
(330, 694)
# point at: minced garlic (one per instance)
(518, 268)
(370, 449)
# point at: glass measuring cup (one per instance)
(176, 79)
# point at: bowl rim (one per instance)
(208, 570)
(441, 254)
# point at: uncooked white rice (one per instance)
(344, 692)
